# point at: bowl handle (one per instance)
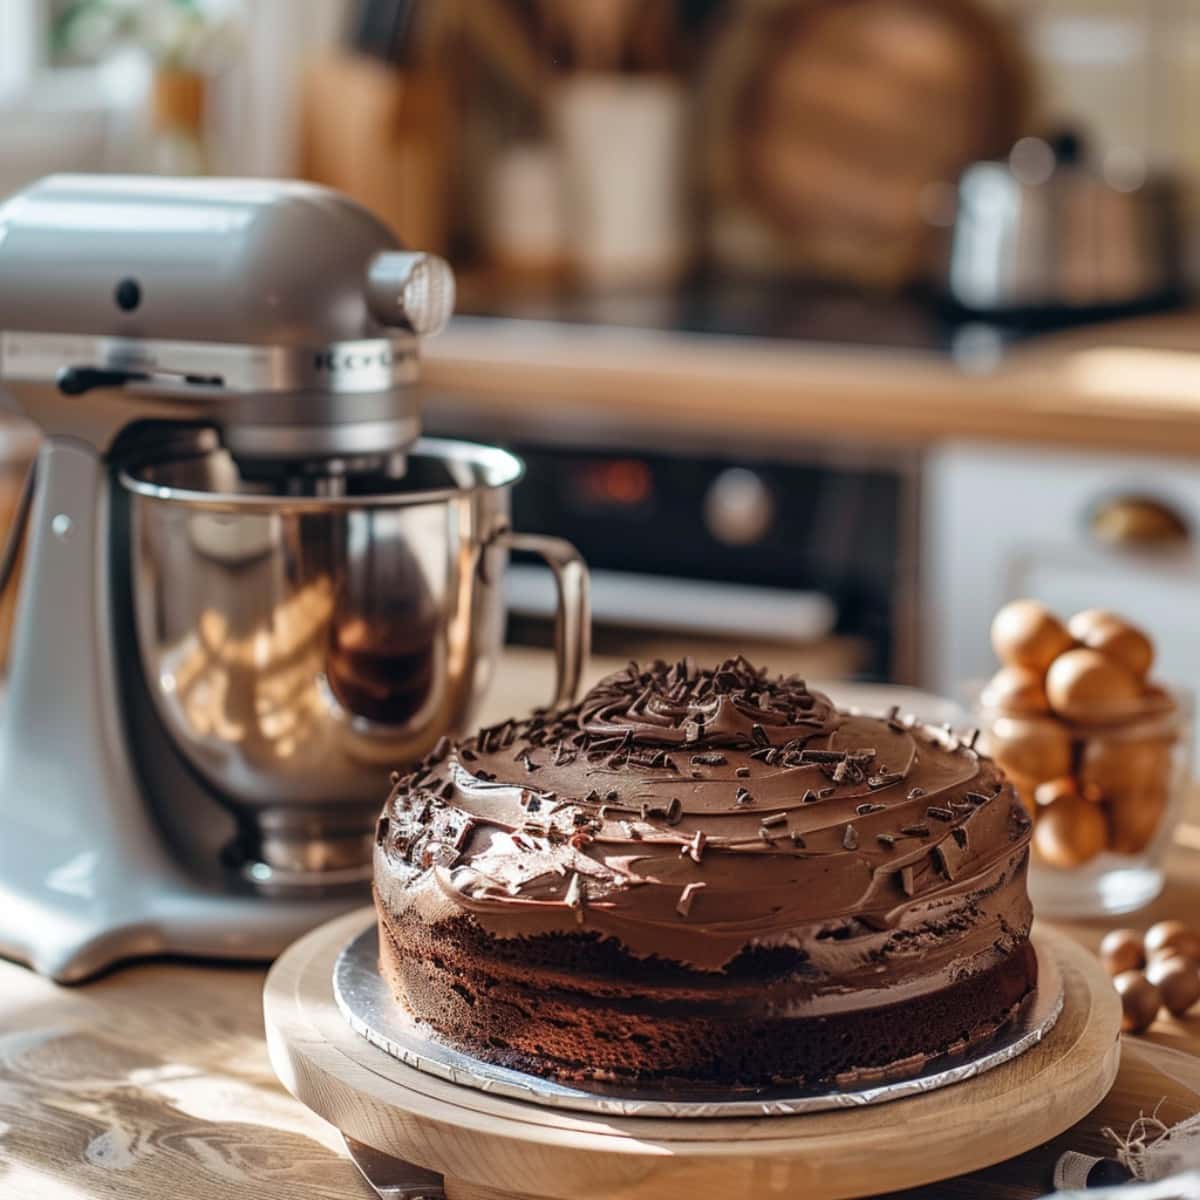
(573, 615)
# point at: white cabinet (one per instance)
(1002, 521)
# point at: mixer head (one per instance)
(281, 313)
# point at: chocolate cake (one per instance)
(709, 876)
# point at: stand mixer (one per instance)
(249, 591)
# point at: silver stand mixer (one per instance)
(248, 591)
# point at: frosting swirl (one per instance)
(694, 814)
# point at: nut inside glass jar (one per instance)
(1105, 796)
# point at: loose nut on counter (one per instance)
(1140, 1001)
(1175, 936)
(1121, 950)
(1115, 638)
(1030, 747)
(1017, 690)
(1085, 686)
(1178, 979)
(1069, 832)
(1026, 633)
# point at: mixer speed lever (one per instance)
(74, 381)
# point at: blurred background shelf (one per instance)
(871, 305)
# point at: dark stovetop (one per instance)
(792, 311)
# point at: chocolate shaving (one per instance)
(576, 896)
(708, 760)
(687, 897)
(850, 838)
(775, 819)
(759, 734)
(915, 830)
(822, 756)
(742, 772)
(672, 813)
(864, 810)
(695, 848)
(885, 839)
(960, 836)
(939, 814)
(809, 797)
(916, 793)
(743, 796)
(977, 798)
(825, 792)
(907, 880)
(798, 839)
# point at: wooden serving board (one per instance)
(492, 1148)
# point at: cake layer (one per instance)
(584, 1027)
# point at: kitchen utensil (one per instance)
(493, 1145)
(1045, 231)
(621, 141)
(296, 648)
(203, 692)
(393, 1178)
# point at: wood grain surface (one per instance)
(479, 1140)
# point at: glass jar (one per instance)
(1105, 799)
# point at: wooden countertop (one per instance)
(153, 1081)
(1130, 386)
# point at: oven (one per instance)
(803, 556)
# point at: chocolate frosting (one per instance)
(694, 814)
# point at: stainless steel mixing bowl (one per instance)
(298, 648)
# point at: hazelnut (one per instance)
(1025, 790)
(1117, 764)
(1140, 1001)
(1046, 793)
(1027, 634)
(1134, 818)
(1030, 748)
(1069, 832)
(1084, 686)
(1115, 638)
(1175, 936)
(1178, 979)
(1016, 689)
(1157, 699)
(1121, 950)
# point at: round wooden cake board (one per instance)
(492, 1148)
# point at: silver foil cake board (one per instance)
(363, 997)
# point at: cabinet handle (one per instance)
(1141, 522)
